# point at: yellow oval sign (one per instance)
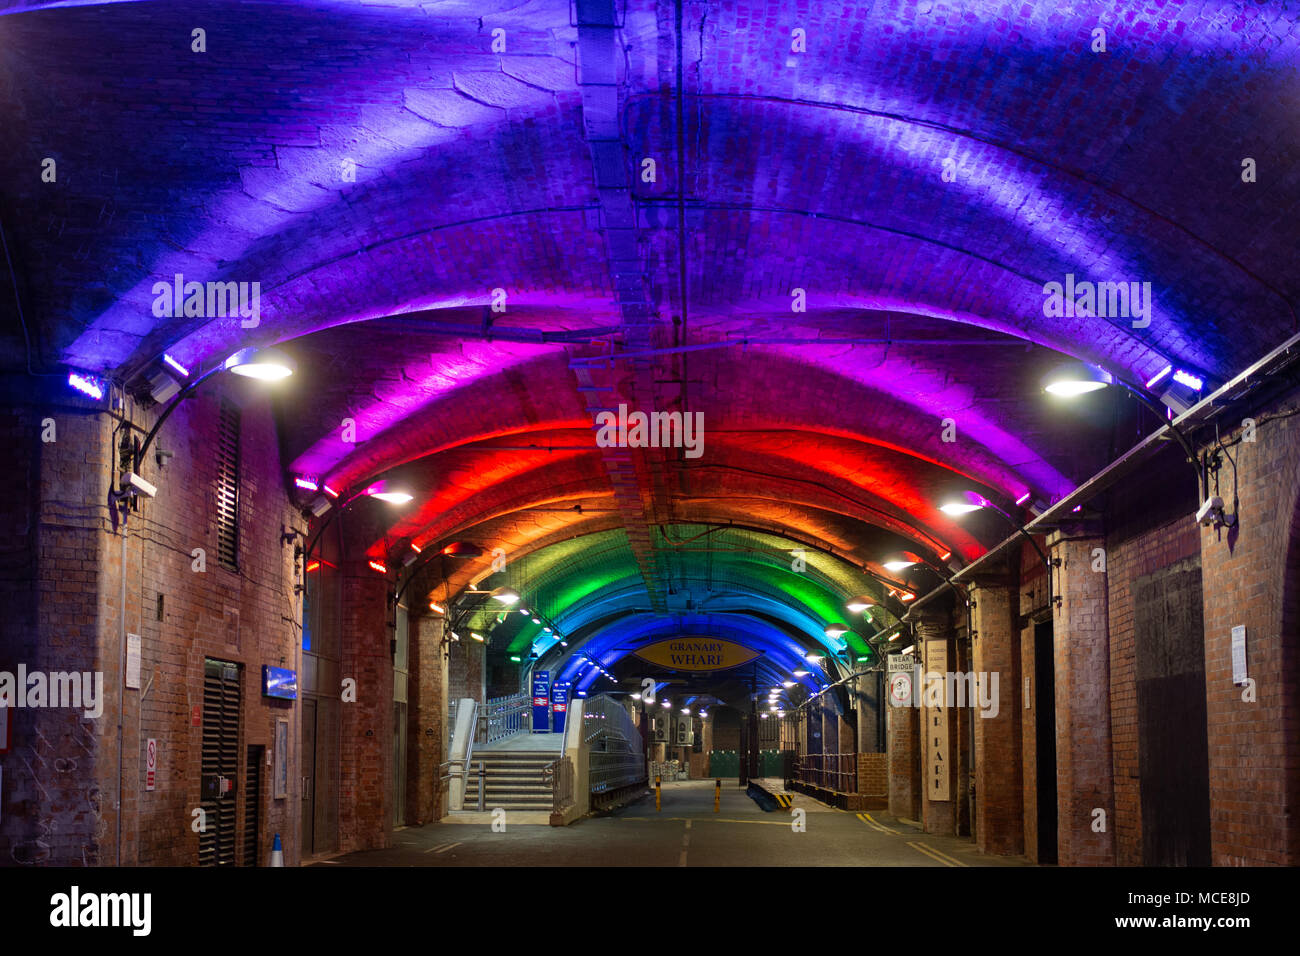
(696, 653)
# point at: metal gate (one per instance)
(221, 713)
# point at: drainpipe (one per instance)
(971, 796)
(121, 691)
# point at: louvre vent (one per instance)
(228, 486)
(220, 759)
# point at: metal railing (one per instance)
(559, 774)
(502, 717)
(838, 772)
(465, 770)
(613, 744)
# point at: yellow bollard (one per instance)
(717, 794)
(658, 794)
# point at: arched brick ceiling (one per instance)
(589, 590)
(820, 171)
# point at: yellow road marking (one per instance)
(770, 823)
(934, 854)
(871, 823)
(948, 856)
(872, 819)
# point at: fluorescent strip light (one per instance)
(1159, 375)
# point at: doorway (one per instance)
(253, 805)
(1173, 737)
(1045, 737)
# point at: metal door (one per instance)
(308, 775)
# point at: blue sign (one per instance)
(278, 682)
(559, 706)
(541, 701)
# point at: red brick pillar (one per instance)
(942, 785)
(903, 742)
(1081, 639)
(995, 713)
(427, 733)
(1251, 578)
(366, 745)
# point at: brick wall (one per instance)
(726, 728)
(366, 742)
(1251, 577)
(1148, 528)
(465, 669)
(1083, 747)
(248, 617)
(999, 795)
(54, 808)
(873, 774)
(1029, 743)
(427, 733)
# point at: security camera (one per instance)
(1211, 512)
(134, 484)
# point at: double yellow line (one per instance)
(870, 821)
(923, 848)
(934, 854)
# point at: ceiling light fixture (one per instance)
(900, 561)
(963, 503)
(266, 365)
(1075, 378)
(505, 595)
(389, 492)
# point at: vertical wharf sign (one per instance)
(696, 654)
(935, 722)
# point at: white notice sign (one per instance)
(133, 661)
(1239, 654)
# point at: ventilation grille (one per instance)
(220, 758)
(228, 486)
